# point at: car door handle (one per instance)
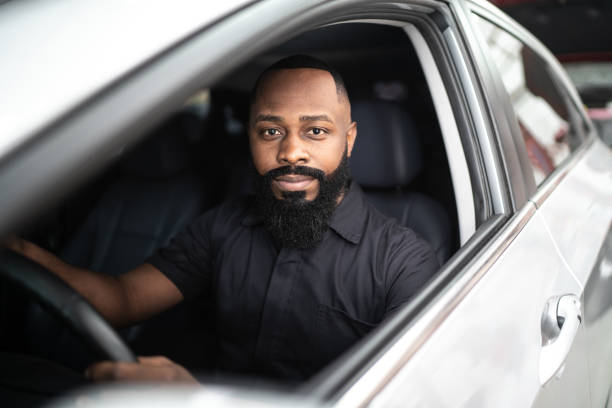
(560, 322)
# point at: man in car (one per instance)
(295, 274)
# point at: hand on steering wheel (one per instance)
(63, 301)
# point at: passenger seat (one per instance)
(385, 160)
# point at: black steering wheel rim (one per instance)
(65, 302)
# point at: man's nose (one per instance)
(292, 150)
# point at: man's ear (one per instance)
(351, 135)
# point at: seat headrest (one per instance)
(165, 152)
(387, 151)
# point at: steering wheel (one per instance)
(63, 301)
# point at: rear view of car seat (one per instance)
(385, 159)
(156, 194)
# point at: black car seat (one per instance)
(155, 195)
(385, 160)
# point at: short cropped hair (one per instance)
(297, 62)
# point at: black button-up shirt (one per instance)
(288, 313)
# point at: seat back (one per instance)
(155, 195)
(385, 160)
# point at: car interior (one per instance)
(199, 157)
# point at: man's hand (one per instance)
(13, 243)
(148, 369)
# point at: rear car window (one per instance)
(550, 126)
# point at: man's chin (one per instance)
(292, 196)
(296, 196)
(293, 218)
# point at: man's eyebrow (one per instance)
(315, 118)
(268, 118)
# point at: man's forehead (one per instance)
(312, 91)
(297, 80)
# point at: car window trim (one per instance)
(465, 89)
(465, 197)
(519, 150)
(517, 170)
(557, 176)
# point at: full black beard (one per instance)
(295, 222)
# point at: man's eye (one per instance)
(317, 131)
(271, 132)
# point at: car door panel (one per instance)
(580, 209)
(578, 214)
(486, 351)
(598, 324)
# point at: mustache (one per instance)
(297, 170)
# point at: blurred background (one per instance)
(579, 33)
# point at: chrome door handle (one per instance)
(560, 322)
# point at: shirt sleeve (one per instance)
(187, 260)
(411, 264)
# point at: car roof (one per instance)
(57, 54)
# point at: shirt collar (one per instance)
(252, 217)
(345, 221)
(348, 217)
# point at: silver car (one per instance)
(465, 112)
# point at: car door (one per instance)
(573, 194)
(578, 213)
(576, 204)
(486, 332)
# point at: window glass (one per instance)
(544, 115)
